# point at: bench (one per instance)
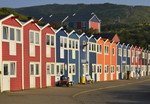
(89, 79)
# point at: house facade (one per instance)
(73, 57)
(48, 49)
(11, 43)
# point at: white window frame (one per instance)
(100, 68)
(15, 34)
(129, 54)
(94, 68)
(113, 51)
(124, 53)
(63, 42)
(61, 65)
(50, 70)
(118, 68)
(99, 48)
(112, 69)
(75, 46)
(70, 71)
(39, 70)
(34, 37)
(106, 69)
(106, 50)
(119, 52)
(9, 70)
(85, 71)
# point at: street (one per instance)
(110, 92)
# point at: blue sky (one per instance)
(27, 3)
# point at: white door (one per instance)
(32, 76)
(32, 81)
(48, 77)
(70, 73)
(98, 76)
(6, 77)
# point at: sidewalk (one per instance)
(63, 95)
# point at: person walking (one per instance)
(137, 72)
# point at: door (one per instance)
(50, 71)
(32, 76)
(70, 73)
(48, 78)
(6, 77)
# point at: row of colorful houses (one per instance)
(34, 55)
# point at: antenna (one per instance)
(51, 15)
(65, 19)
(74, 14)
(40, 19)
(92, 13)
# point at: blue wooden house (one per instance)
(119, 58)
(73, 57)
(124, 66)
(83, 56)
(61, 53)
(92, 58)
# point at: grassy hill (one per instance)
(108, 13)
(7, 11)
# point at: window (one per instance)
(133, 53)
(76, 44)
(9, 68)
(34, 69)
(106, 68)
(50, 40)
(12, 68)
(18, 35)
(31, 37)
(47, 40)
(119, 52)
(5, 32)
(85, 69)
(128, 53)
(5, 69)
(106, 50)
(99, 48)
(112, 69)
(36, 38)
(94, 68)
(113, 51)
(37, 69)
(72, 69)
(124, 53)
(50, 68)
(60, 69)
(63, 42)
(12, 34)
(70, 43)
(99, 68)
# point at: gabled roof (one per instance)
(76, 17)
(106, 36)
(80, 17)
(54, 18)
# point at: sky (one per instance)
(28, 3)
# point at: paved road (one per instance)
(111, 92)
(137, 93)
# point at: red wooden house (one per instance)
(48, 55)
(31, 55)
(11, 53)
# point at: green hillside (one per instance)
(108, 13)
